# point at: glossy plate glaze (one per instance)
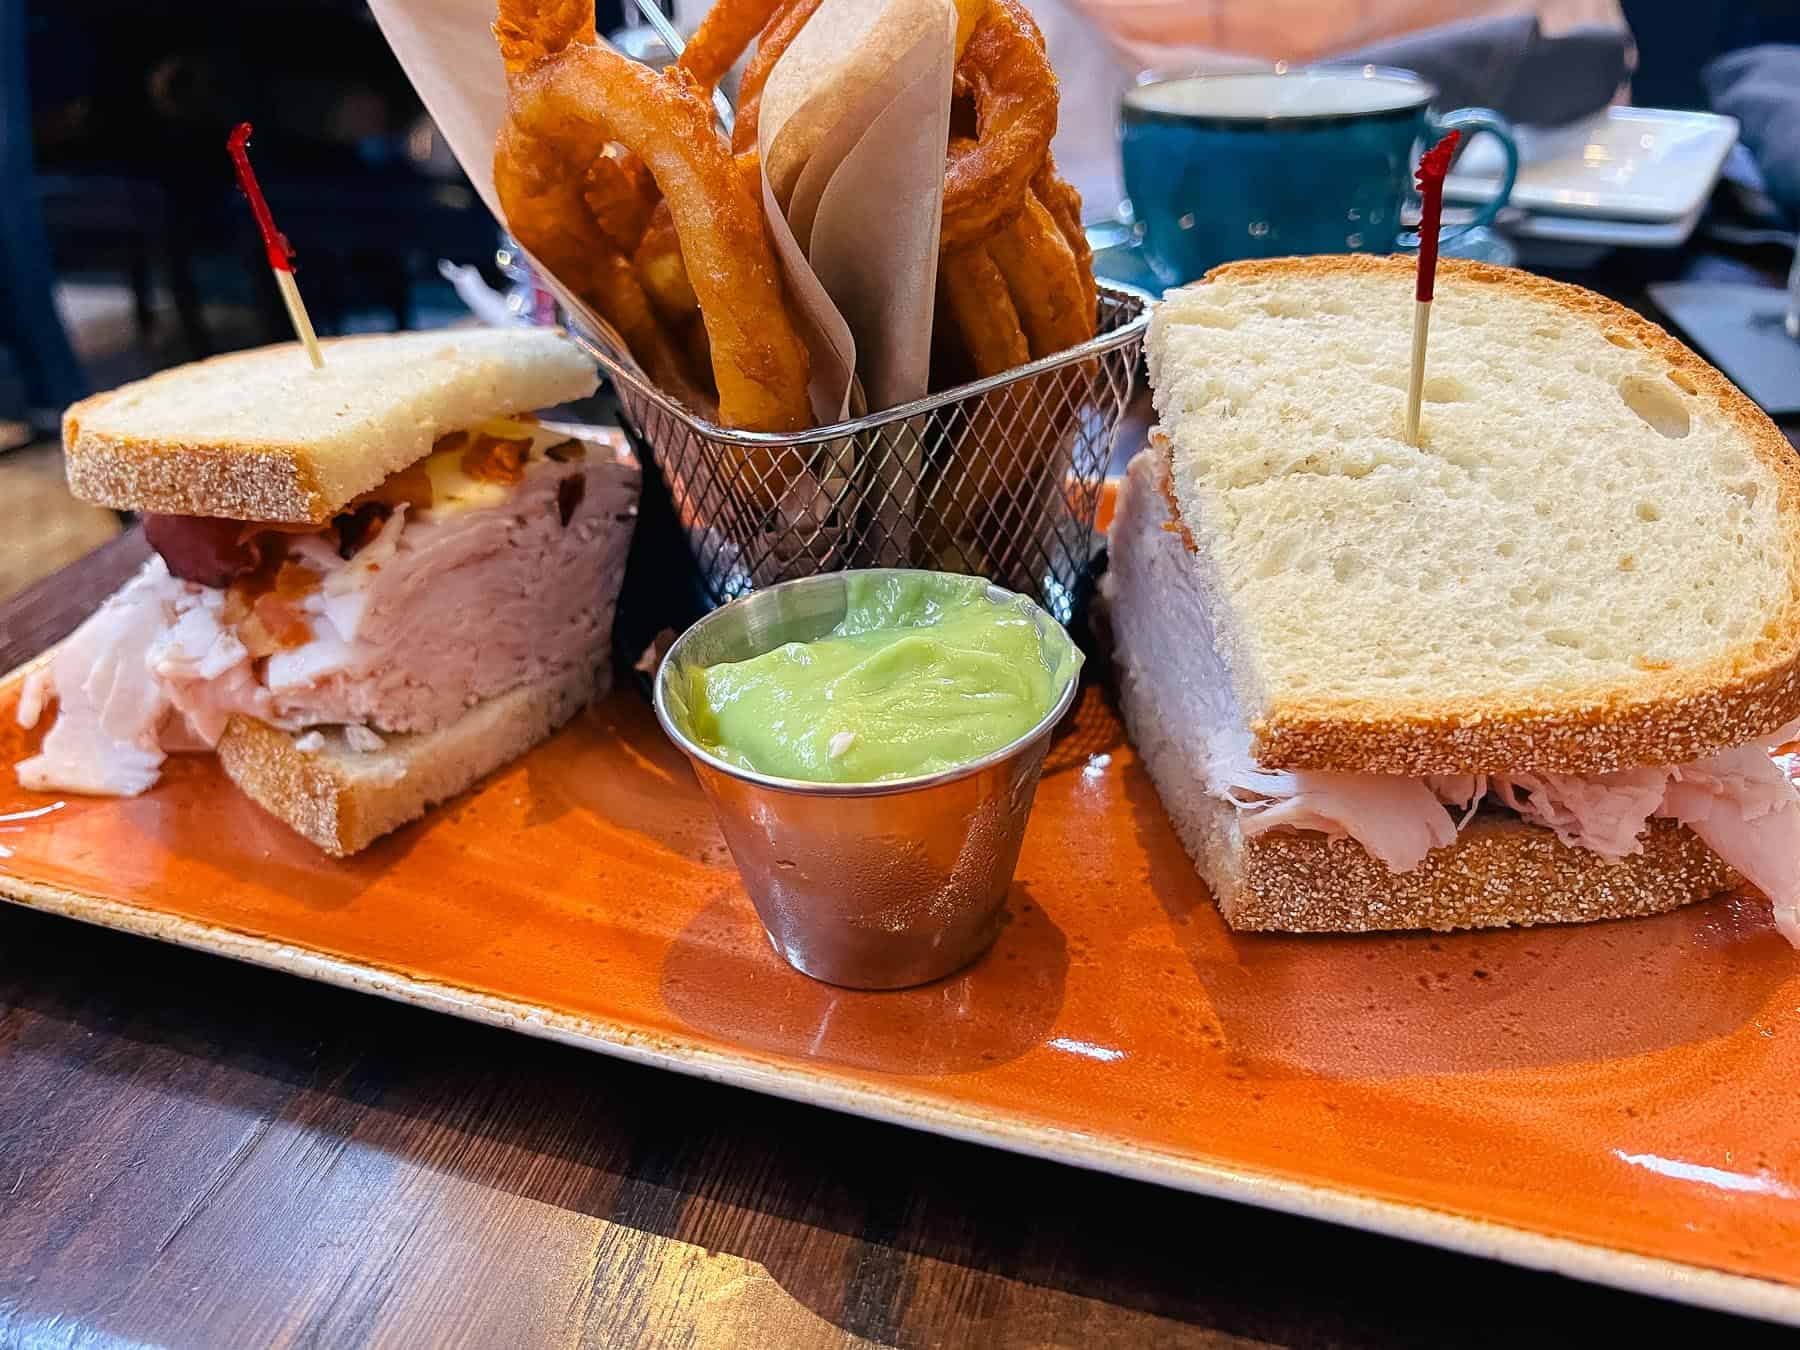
(1616, 1101)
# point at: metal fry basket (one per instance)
(1001, 477)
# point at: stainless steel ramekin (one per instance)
(865, 885)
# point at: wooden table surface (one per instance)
(197, 1153)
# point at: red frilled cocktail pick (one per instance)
(1433, 165)
(281, 253)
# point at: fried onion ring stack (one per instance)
(586, 130)
(615, 178)
(1004, 199)
(1015, 283)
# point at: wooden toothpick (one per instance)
(281, 253)
(1433, 165)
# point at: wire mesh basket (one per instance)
(1001, 477)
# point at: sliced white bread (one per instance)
(1591, 561)
(1499, 871)
(262, 436)
(343, 799)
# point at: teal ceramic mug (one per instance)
(1267, 164)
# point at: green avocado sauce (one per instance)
(924, 673)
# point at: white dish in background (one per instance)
(1611, 233)
(1639, 164)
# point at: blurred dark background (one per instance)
(142, 252)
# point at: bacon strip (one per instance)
(203, 550)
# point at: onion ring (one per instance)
(587, 95)
(1007, 76)
(658, 253)
(548, 204)
(661, 270)
(622, 198)
(620, 192)
(665, 273)
(983, 464)
(776, 38)
(1044, 280)
(530, 30)
(968, 14)
(545, 205)
(978, 302)
(621, 195)
(1064, 204)
(1023, 294)
(728, 28)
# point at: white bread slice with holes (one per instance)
(1590, 562)
(343, 799)
(262, 436)
(1500, 870)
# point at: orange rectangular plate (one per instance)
(1613, 1101)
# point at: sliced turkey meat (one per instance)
(496, 585)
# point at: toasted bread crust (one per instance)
(273, 481)
(1500, 872)
(301, 790)
(334, 799)
(233, 463)
(1686, 715)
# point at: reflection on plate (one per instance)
(1646, 164)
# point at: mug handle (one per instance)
(1472, 122)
